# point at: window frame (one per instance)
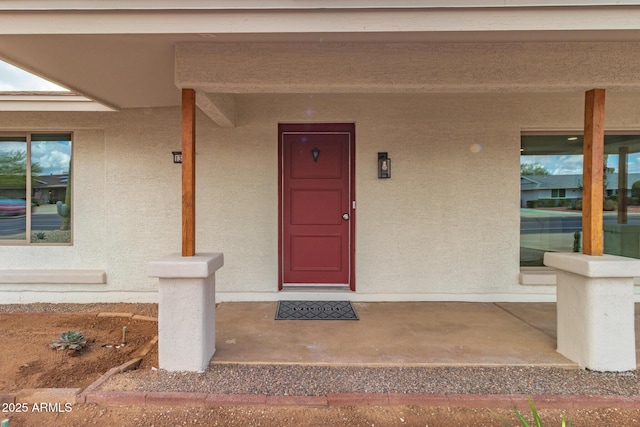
(29, 187)
(538, 275)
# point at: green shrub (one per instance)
(635, 189)
(546, 203)
(610, 205)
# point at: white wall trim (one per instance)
(212, 22)
(545, 276)
(50, 276)
(119, 296)
(356, 297)
(76, 297)
(288, 4)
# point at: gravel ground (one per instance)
(136, 308)
(296, 380)
(300, 380)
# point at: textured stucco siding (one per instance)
(409, 68)
(445, 226)
(126, 205)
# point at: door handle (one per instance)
(345, 216)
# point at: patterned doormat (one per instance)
(315, 310)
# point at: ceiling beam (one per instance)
(213, 22)
(221, 108)
(404, 68)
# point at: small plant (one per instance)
(536, 418)
(576, 241)
(41, 235)
(73, 340)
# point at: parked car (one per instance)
(12, 207)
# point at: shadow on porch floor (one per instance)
(390, 333)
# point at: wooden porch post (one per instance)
(592, 197)
(188, 172)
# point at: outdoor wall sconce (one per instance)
(315, 153)
(384, 165)
(177, 156)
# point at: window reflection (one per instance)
(50, 188)
(13, 188)
(551, 195)
(35, 178)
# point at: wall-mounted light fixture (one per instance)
(384, 165)
(315, 153)
(177, 156)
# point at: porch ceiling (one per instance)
(125, 58)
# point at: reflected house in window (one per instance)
(551, 183)
(48, 189)
(563, 190)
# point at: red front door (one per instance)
(316, 204)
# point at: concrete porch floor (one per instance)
(396, 334)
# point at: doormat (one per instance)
(315, 310)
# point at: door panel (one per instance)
(316, 205)
(316, 253)
(305, 205)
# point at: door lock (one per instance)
(345, 216)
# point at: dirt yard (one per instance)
(282, 416)
(26, 361)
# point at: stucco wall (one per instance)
(445, 226)
(126, 205)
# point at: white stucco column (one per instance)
(186, 310)
(595, 305)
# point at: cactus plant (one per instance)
(576, 241)
(73, 340)
(62, 209)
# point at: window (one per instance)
(35, 188)
(551, 195)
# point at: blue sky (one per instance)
(53, 157)
(15, 79)
(572, 164)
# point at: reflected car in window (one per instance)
(12, 207)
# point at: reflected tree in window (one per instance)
(35, 177)
(13, 188)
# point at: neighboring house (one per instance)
(49, 189)
(564, 187)
(537, 187)
(298, 101)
